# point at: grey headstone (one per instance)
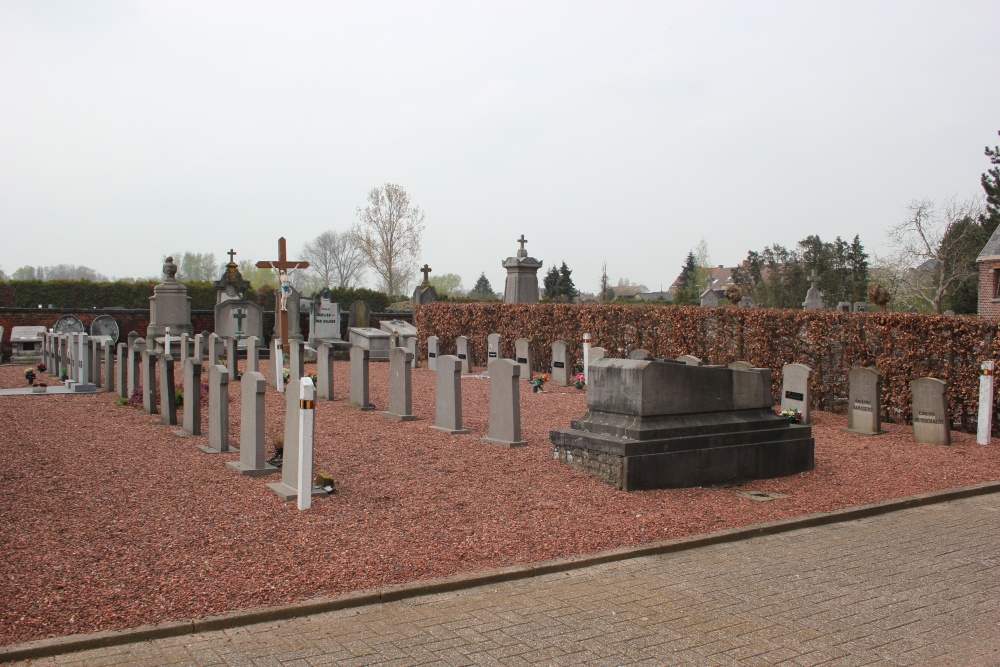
(505, 404)
(325, 319)
(522, 356)
(324, 371)
(931, 420)
(562, 371)
(149, 381)
(198, 349)
(596, 354)
(218, 410)
(253, 354)
(640, 354)
(464, 353)
(494, 344)
(433, 349)
(689, 359)
(375, 341)
(213, 349)
(121, 385)
(360, 315)
(844, 307)
(251, 463)
(359, 378)
(864, 405)
(185, 343)
(94, 375)
(192, 395)
(232, 357)
(168, 397)
(796, 389)
(739, 366)
(136, 348)
(412, 346)
(296, 360)
(448, 400)
(861, 307)
(400, 386)
(109, 365)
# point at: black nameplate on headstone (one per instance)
(558, 364)
(432, 354)
(493, 354)
(522, 360)
(461, 356)
(795, 396)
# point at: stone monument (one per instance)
(522, 276)
(170, 306)
(931, 421)
(425, 292)
(814, 298)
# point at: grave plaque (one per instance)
(561, 370)
(522, 354)
(432, 352)
(931, 422)
(464, 353)
(493, 343)
(864, 404)
(325, 318)
(796, 388)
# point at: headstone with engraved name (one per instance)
(522, 355)
(864, 403)
(433, 348)
(493, 347)
(796, 389)
(463, 350)
(562, 373)
(931, 421)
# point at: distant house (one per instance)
(720, 278)
(989, 278)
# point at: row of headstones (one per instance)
(561, 369)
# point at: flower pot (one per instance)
(38, 390)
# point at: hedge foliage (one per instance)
(901, 346)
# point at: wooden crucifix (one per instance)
(283, 267)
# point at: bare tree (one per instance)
(334, 258)
(388, 235)
(939, 245)
(606, 293)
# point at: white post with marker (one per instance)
(166, 341)
(586, 358)
(307, 403)
(279, 368)
(985, 431)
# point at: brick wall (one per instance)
(989, 307)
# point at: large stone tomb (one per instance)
(375, 341)
(658, 425)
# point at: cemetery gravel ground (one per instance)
(110, 521)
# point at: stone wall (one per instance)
(989, 306)
(605, 467)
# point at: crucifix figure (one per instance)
(231, 253)
(284, 268)
(522, 252)
(238, 315)
(427, 272)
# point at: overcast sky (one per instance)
(619, 131)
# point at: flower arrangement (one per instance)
(286, 374)
(579, 381)
(41, 367)
(29, 375)
(538, 381)
(794, 415)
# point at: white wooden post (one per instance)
(985, 431)
(586, 358)
(307, 401)
(278, 358)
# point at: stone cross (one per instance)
(239, 314)
(231, 253)
(426, 271)
(282, 266)
(522, 252)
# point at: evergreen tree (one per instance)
(551, 284)
(567, 290)
(688, 292)
(991, 185)
(482, 288)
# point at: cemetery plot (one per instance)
(116, 521)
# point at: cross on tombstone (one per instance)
(231, 253)
(239, 314)
(282, 266)
(522, 241)
(426, 270)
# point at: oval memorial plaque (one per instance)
(105, 325)
(68, 324)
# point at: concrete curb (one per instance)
(59, 645)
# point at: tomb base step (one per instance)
(288, 492)
(212, 450)
(250, 471)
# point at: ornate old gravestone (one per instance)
(864, 403)
(68, 324)
(425, 292)
(796, 389)
(814, 298)
(657, 424)
(522, 276)
(931, 421)
(170, 306)
(105, 327)
(359, 316)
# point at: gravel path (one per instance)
(108, 520)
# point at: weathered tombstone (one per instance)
(814, 297)
(324, 371)
(296, 360)
(149, 381)
(136, 347)
(218, 410)
(864, 405)
(199, 346)
(596, 354)
(185, 349)
(931, 421)
(253, 354)
(561, 370)
(689, 359)
(740, 366)
(325, 319)
(232, 358)
(213, 350)
(493, 348)
(448, 399)
(796, 389)
(360, 315)
(192, 395)
(425, 292)
(412, 346)
(359, 378)
(96, 377)
(640, 354)
(432, 352)
(844, 307)
(133, 336)
(83, 364)
(375, 341)
(400, 386)
(522, 276)
(288, 487)
(464, 353)
(170, 306)
(109, 365)
(251, 463)
(505, 404)
(861, 307)
(168, 397)
(239, 319)
(522, 354)
(121, 386)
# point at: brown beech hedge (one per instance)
(901, 346)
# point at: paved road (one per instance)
(917, 587)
